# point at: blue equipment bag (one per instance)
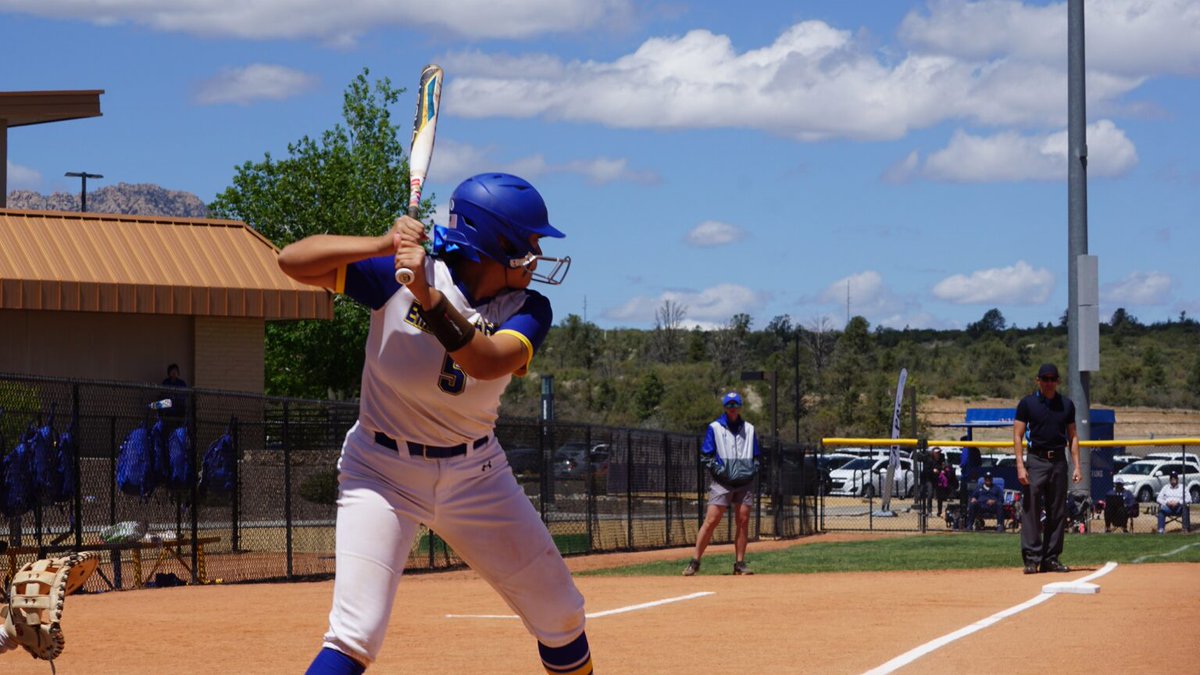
(178, 475)
(220, 466)
(136, 472)
(17, 469)
(68, 449)
(45, 462)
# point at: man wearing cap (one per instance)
(1043, 432)
(1173, 502)
(1118, 504)
(730, 452)
(988, 499)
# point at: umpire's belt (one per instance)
(430, 451)
(1051, 455)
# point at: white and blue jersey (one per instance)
(413, 392)
(411, 389)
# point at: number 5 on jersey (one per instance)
(452, 379)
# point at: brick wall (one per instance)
(229, 353)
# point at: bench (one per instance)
(166, 549)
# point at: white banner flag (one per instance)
(894, 457)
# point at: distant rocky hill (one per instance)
(142, 199)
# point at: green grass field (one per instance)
(567, 544)
(936, 552)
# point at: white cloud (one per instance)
(865, 292)
(22, 177)
(1139, 288)
(707, 308)
(1011, 156)
(714, 233)
(816, 81)
(452, 158)
(1018, 284)
(255, 82)
(871, 298)
(337, 22)
(905, 170)
(1132, 37)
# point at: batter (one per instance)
(439, 354)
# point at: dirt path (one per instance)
(809, 623)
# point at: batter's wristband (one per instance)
(449, 326)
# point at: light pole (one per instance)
(83, 176)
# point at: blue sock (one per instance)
(574, 658)
(333, 662)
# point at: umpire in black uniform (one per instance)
(1049, 418)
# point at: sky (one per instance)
(901, 160)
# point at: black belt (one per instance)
(1048, 454)
(430, 451)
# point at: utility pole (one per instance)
(1083, 339)
(83, 176)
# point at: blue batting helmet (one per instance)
(496, 214)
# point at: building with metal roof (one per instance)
(22, 108)
(116, 297)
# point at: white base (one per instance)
(1076, 587)
(884, 514)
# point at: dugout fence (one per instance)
(599, 489)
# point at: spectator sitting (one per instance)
(987, 499)
(1118, 504)
(1173, 502)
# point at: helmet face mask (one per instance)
(554, 277)
(502, 217)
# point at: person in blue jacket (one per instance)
(988, 499)
(731, 455)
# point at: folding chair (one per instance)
(1182, 518)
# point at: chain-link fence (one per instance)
(598, 488)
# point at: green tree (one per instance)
(728, 345)
(994, 367)
(1193, 382)
(991, 323)
(853, 359)
(649, 395)
(579, 344)
(352, 181)
(1155, 374)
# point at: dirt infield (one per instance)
(814, 623)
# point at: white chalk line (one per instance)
(1181, 549)
(917, 652)
(594, 615)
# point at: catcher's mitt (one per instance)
(37, 594)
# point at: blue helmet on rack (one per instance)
(497, 214)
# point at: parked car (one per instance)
(1175, 457)
(571, 460)
(834, 460)
(1122, 461)
(879, 451)
(999, 460)
(864, 477)
(1145, 478)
